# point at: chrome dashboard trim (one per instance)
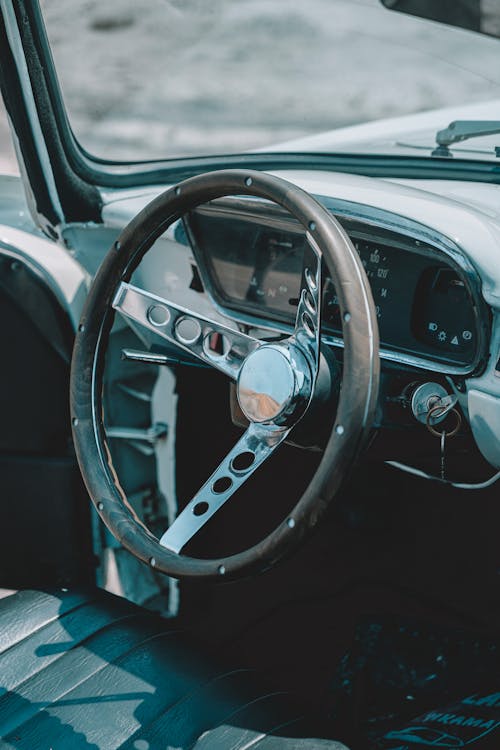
(378, 219)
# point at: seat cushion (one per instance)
(90, 670)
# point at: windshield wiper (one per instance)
(462, 130)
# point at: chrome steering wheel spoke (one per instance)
(307, 330)
(274, 386)
(213, 343)
(253, 448)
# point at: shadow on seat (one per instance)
(91, 671)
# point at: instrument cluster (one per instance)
(426, 304)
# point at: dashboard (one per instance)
(430, 249)
(427, 296)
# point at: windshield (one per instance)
(170, 78)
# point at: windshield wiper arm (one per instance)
(462, 130)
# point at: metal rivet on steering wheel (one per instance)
(275, 383)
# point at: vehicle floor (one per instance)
(391, 608)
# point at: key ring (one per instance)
(438, 433)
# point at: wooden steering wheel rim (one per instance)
(358, 395)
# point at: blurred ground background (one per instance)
(175, 77)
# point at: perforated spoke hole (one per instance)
(158, 315)
(200, 508)
(221, 485)
(308, 324)
(187, 330)
(310, 303)
(217, 344)
(310, 280)
(243, 461)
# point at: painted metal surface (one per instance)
(20, 238)
(399, 135)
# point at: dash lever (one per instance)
(155, 358)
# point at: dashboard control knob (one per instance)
(423, 397)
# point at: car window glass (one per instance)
(166, 78)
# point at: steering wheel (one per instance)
(277, 384)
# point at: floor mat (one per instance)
(397, 670)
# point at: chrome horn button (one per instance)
(269, 384)
(266, 384)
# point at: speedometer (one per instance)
(393, 277)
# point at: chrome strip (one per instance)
(279, 329)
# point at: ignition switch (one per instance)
(426, 396)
